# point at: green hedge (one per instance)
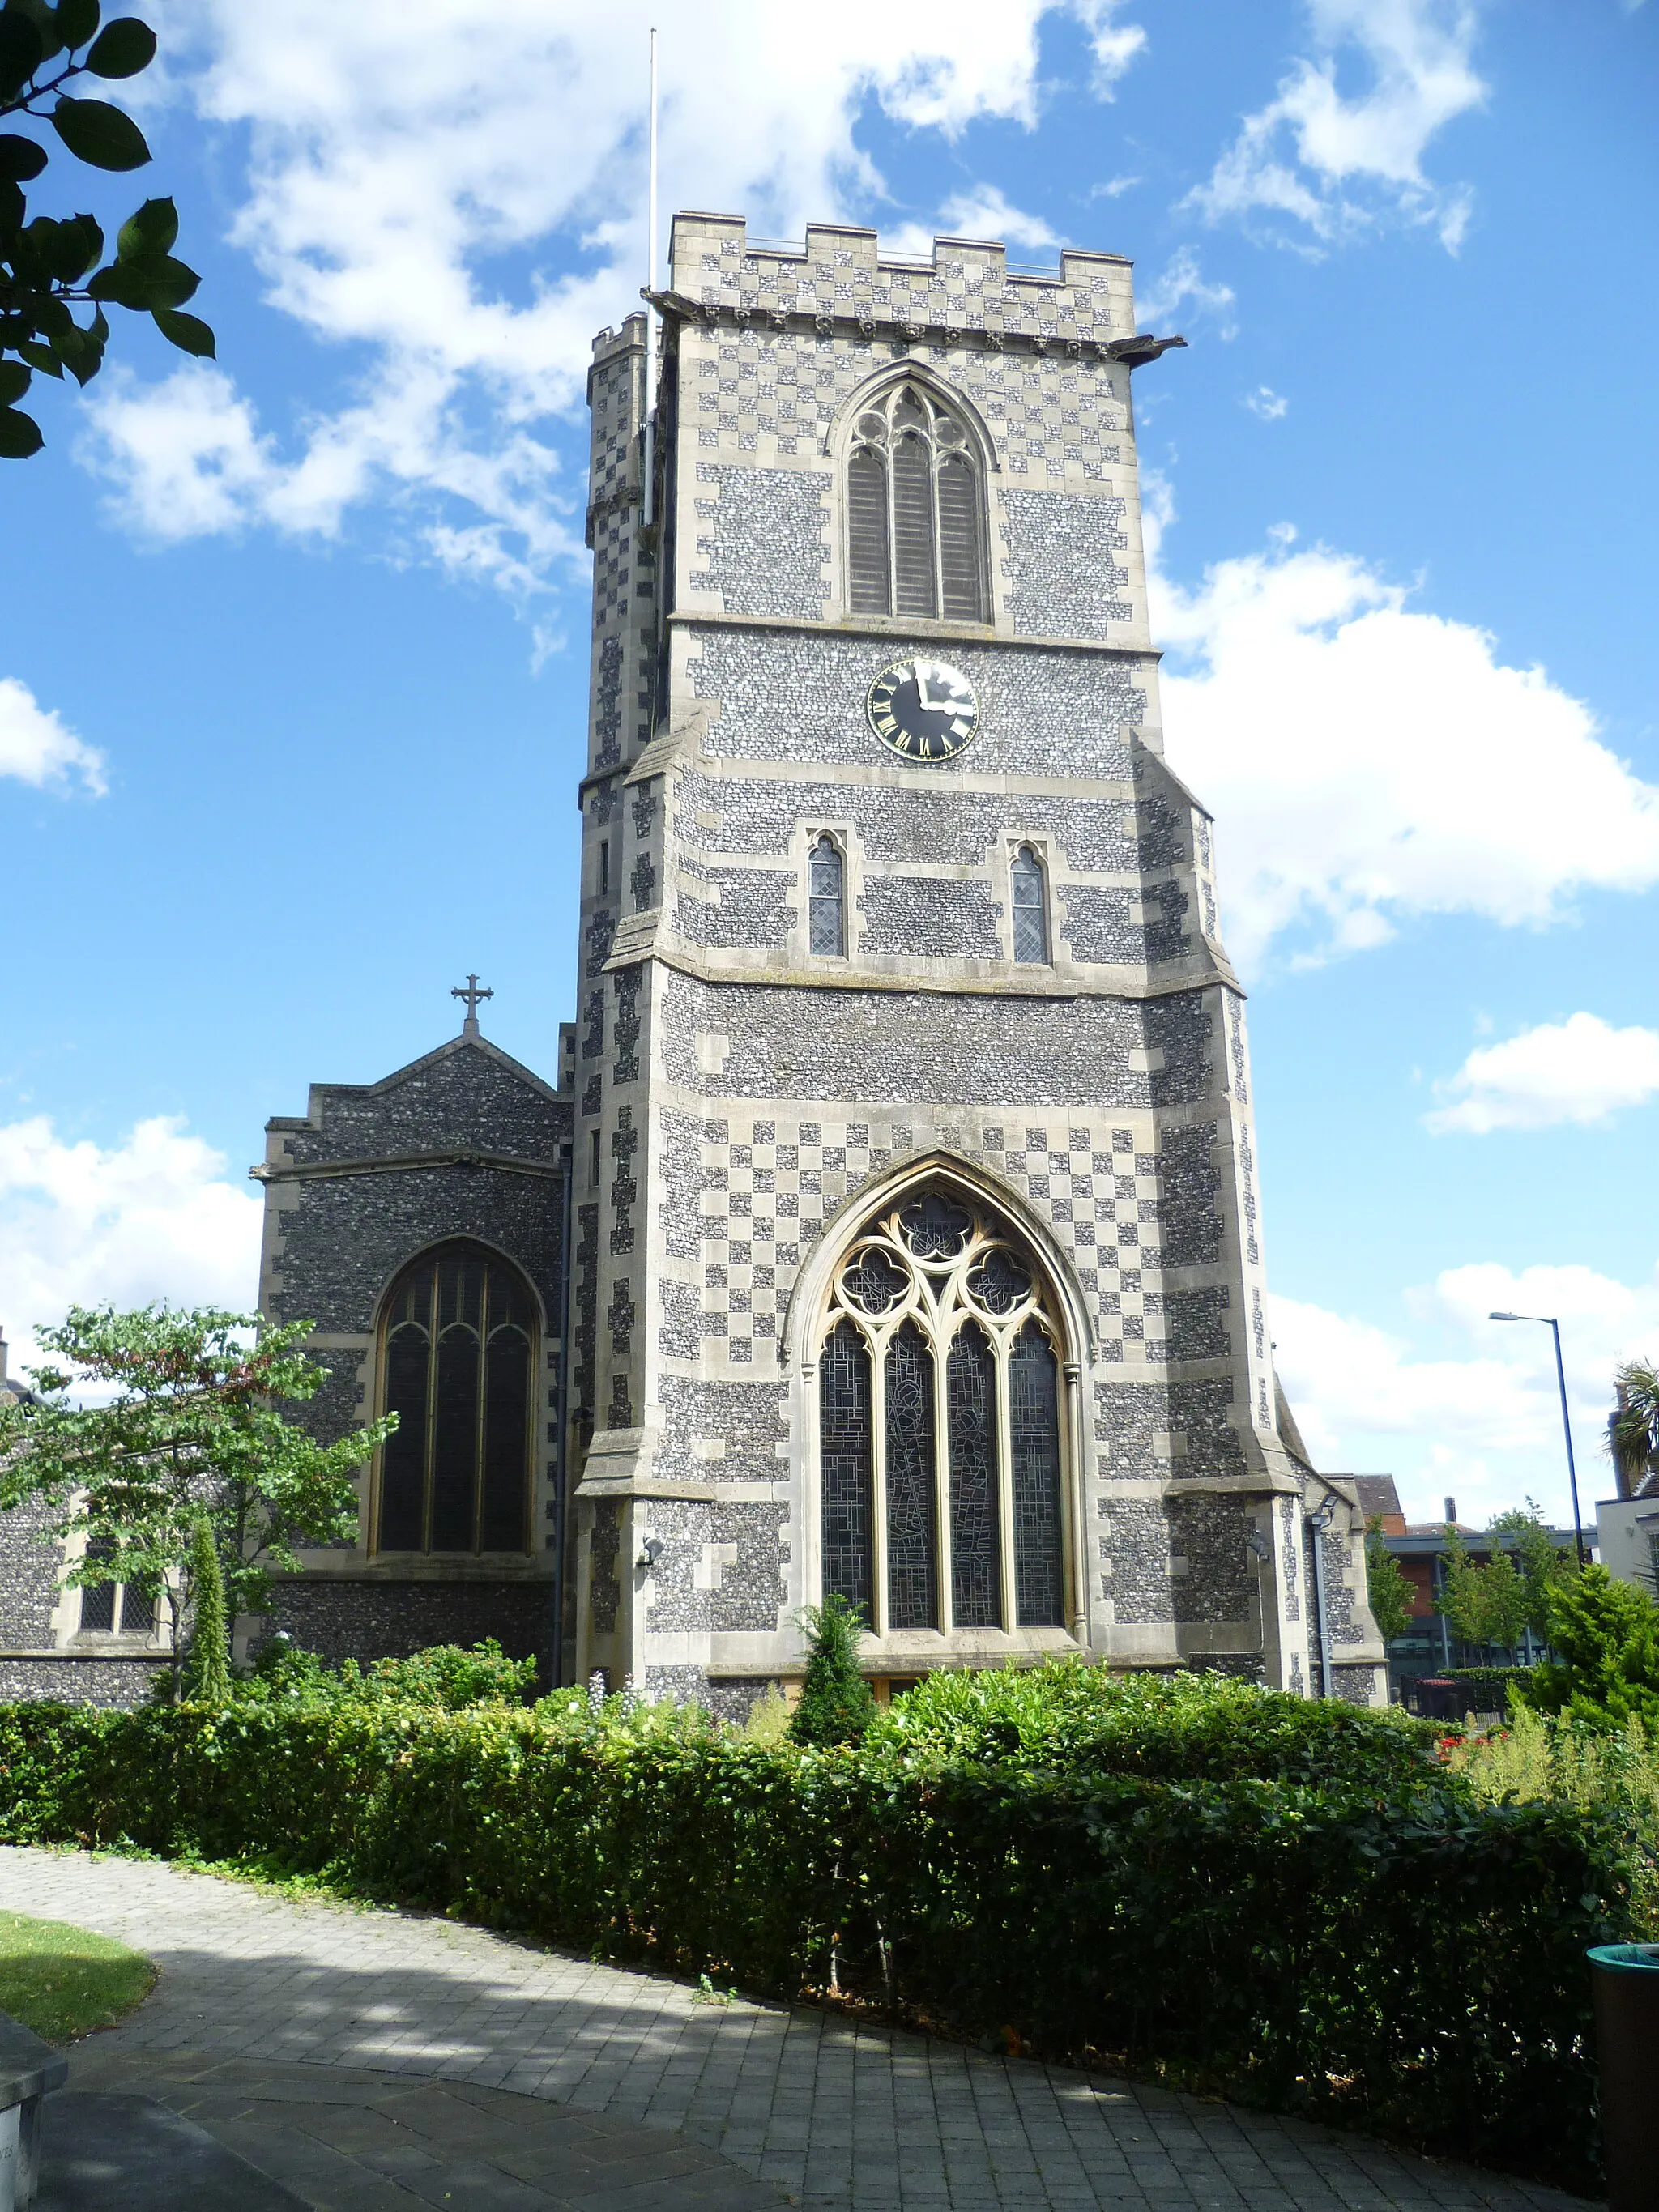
(1489, 1688)
(1397, 1959)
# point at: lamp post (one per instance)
(1549, 1321)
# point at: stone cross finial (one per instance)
(472, 994)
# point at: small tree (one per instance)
(1543, 1566)
(207, 1669)
(1486, 1604)
(1388, 1588)
(191, 1433)
(835, 1704)
(1605, 1636)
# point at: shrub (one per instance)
(1180, 1727)
(444, 1676)
(836, 1702)
(1604, 1637)
(1369, 1944)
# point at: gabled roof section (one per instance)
(467, 1095)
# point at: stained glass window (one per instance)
(971, 1412)
(826, 897)
(1031, 919)
(459, 1344)
(845, 1421)
(914, 508)
(912, 1548)
(1034, 1456)
(938, 1289)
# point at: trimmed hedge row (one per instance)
(1489, 1688)
(1405, 1961)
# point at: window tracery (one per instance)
(915, 511)
(458, 1357)
(941, 1473)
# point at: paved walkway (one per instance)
(835, 2117)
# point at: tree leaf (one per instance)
(151, 229)
(100, 134)
(20, 435)
(14, 381)
(145, 282)
(21, 158)
(77, 21)
(122, 48)
(188, 332)
(41, 356)
(22, 52)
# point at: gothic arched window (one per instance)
(826, 887)
(458, 1359)
(1030, 907)
(940, 1424)
(915, 510)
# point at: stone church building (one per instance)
(891, 1224)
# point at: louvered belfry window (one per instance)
(914, 507)
(941, 1496)
(458, 1356)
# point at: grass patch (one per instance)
(63, 1981)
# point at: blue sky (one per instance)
(292, 667)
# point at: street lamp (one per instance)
(1555, 1327)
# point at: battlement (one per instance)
(840, 269)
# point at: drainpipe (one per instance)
(567, 1161)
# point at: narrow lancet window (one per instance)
(826, 889)
(1030, 915)
(971, 1399)
(1034, 1452)
(915, 506)
(912, 1548)
(847, 1437)
(459, 1361)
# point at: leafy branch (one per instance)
(50, 266)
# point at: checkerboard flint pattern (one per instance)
(767, 1188)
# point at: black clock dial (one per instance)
(923, 709)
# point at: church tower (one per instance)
(916, 1243)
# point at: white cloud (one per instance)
(1370, 762)
(1112, 188)
(1270, 405)
(38, 747)
(1463, 1405)
(984, 213)
(1579, 1070)
(1335, 166)
(1182, 283)
(458, 213)
(149, 1217)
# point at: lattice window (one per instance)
(915, 533)
(457, 1358)
(827, 897)
(1031, 908)
(942, 1454)
(108, 1609)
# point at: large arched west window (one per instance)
(916, 531)
(458, 1354)
(939, 1424)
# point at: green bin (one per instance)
(1626, 1980)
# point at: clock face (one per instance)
(923, 710)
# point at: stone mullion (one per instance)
(878, 1481)
(946, 1604)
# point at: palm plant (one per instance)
(1633, 1426)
